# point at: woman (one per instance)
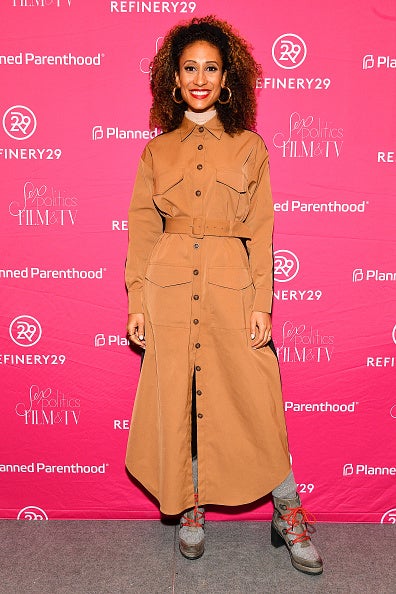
(208, 423)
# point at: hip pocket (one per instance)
(167, 292)
(230, 296)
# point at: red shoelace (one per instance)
(293, 519)
(198, 519)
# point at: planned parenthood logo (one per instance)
(367, 470)
(97, 133)
(19, 122)
(117, 133)
(25, 331)
(347, 470)
(286, 266)
(32, 513)
(376, 275)
(289, 51)
(370, 61)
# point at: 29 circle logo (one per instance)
(31, 512)
(286, 266)
(289, 51)
(25, 331)
(19, 122)
(389, 517)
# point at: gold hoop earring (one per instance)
(229, 96)
(174, 96)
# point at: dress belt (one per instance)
(200, 226)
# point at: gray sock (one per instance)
(195, 472)
(287, 489)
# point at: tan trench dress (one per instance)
(197, 286)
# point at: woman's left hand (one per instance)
(260, 329)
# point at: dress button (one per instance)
(199, 166)
(196, 321)
(200, 147)
(196, 245)
(199, 392)
(200, 416)
(195, 272)
(201, 128)
(197, 345)
(197, 368)
(196, 297)
(198, 192)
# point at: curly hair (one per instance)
(242, 70)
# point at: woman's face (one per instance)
(200, 77)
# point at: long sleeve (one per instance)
(260, 221)
(145, 226)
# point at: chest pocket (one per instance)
(233, 178)
(168, 294)
(231, 295)
(235, 183)
(166, 181)
(166, 192)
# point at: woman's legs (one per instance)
(289, 527)
(289, 521)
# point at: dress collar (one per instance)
(214, 126)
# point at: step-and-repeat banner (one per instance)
(74, 109)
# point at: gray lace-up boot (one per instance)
(290, 527)
(191, 532)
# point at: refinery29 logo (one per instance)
(31, 512)
(289, 51)
(389, 517)
(286, 266)
(25, 331)
(19, 122)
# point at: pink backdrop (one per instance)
(74, 119)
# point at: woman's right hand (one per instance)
(135, 329)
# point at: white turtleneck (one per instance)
(200, 117)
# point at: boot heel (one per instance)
(276, 540)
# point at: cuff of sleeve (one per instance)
(263, 301)
(135, 301)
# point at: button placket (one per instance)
(196, 298)
(198, 189)
(198, 183)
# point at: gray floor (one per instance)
(95, 557)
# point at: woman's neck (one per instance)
(200, 117)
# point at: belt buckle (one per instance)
(198, 227)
